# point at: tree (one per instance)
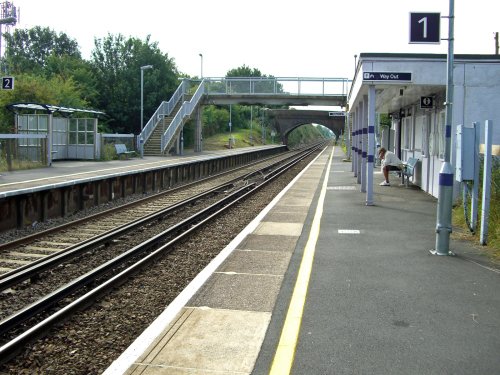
(240, 115)
(38, 89)
(215, 120)
(28, 49)
(116, 63)
(79, 71)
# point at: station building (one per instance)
(411, 89)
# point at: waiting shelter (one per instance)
(411, 89)
(67, 137)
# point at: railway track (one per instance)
(166, 223)
(24, 252)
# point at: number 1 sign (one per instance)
(425, 28)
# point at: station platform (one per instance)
(64, 172)
(320, 283)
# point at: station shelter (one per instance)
(67, 137)
(411, 89)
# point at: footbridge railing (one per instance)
(277, 85)
(181, 116)
(164, 109)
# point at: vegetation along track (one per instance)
(147, 231)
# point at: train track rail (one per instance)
(24, 252)
(34, 320)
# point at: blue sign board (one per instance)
(7, 83)
(425, 28)
(387, 76)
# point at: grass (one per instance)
(241, 139)
(19, 165)
(492, 247)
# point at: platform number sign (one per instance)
(425, 28)
(7, 83)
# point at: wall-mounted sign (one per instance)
(387, 76)
(425, 28)
(7, 83)
(426, 102)
(336, 114)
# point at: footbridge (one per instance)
(163, 131)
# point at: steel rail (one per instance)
(32, 237)
(35, 268)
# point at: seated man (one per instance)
(390, 162)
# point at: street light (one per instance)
(141, 137)
(143, 68)
(201, 56)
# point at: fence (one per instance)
(23, 151)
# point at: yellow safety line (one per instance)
(284, 356)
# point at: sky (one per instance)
(283, 38)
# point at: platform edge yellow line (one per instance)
(285, 352)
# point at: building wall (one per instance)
(476, 98)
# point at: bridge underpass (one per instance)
(287, 120)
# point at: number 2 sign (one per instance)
(7, 83)
(425, 28)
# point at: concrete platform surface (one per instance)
(320, 283)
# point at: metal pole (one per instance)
(142, 98)
(230, 125)
(488, 131)
(445, 194)
(251, 127)
(141, 137)
(371, 145)
(475, 187)
(201, 56)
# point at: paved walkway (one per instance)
(378, 302)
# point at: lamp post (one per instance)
(143, 68)
(141, 138)
(201, 57)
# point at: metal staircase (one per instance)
(152, 146)
(163, 128)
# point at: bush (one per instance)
(493, 239)
(108, 152)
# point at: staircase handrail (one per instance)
(185, 111)
(163, 110)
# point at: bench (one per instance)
(121, 149)
(408, 170)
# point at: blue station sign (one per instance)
(387, 76)
(425, 28)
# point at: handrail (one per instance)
(185, 111)
(163, 110)
(277, 85)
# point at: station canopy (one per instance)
(65, 111)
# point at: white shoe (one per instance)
(384, 183)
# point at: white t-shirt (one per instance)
(391, 159)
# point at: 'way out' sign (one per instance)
(387, 76)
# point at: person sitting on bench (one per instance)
(390, 162)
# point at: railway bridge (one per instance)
(286, 120)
